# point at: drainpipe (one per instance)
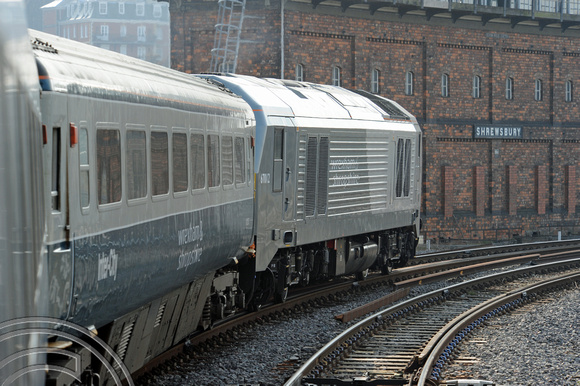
(282, 38)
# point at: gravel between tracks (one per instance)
(538, 346)
(264, 355)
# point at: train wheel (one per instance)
(264, 289)
(360, 276)
(387, 268)
(281, 296)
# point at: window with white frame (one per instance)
(123, 31)
(375, 81)
(157, 10)
(569, 91)
(336, 81)
(121, 8)
(104, 32)
(102, 8)
(445, 85)
(538, 90)
(299, 72)
(140, 10)
(141, 52)
(141, 33)
(509, 88)
(409, 83)
(476, 90)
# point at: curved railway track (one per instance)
(414, 339)
(301, 301)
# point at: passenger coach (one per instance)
(149, 174)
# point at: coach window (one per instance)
(476, 91)
(509, 89)
(375, 81)
(299, 72)
(159, 163)
(240, 159)
(569, 91)
(213, 160)
(84, 167)
(55, 175)
(136, 164)
(278, 160)
(336, 76)
(108, 166)
(227, 161)
(179, 164)
(538, 90)
(197, 150)
(445, 85)
(409, 80)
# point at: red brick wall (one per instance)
(479, 190)
(448, 191)
(541, 189)
(472, 188)
(571, 189)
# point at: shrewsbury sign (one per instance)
(503, 132)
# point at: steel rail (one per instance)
(441, 346)
(365, 327)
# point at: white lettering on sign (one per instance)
(265, 178)
(189, 258)
(344, 164)
(497, 132)
(191, 234)
(108, 265)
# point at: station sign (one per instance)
(497, 132)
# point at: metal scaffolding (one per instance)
(224, 55)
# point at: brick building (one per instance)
(492, 86)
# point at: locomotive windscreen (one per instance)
(389, 108)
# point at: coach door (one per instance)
(284, 169)
(56, 141)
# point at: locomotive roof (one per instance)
(77, 68)
(289, 98)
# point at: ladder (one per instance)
(224, 55)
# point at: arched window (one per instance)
(538, 90)
(409, 76)
(445, 85)
(569, 91)
(375, 81)
(336, 76)
(476, 90)
(299, 72)
(509, 88)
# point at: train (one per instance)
(164, 202)
(22, 253)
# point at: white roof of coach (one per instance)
(74, 67)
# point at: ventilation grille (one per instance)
(322, 176)
(124, 343)
(311, 166)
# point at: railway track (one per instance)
(299, 303)
(414, 339)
